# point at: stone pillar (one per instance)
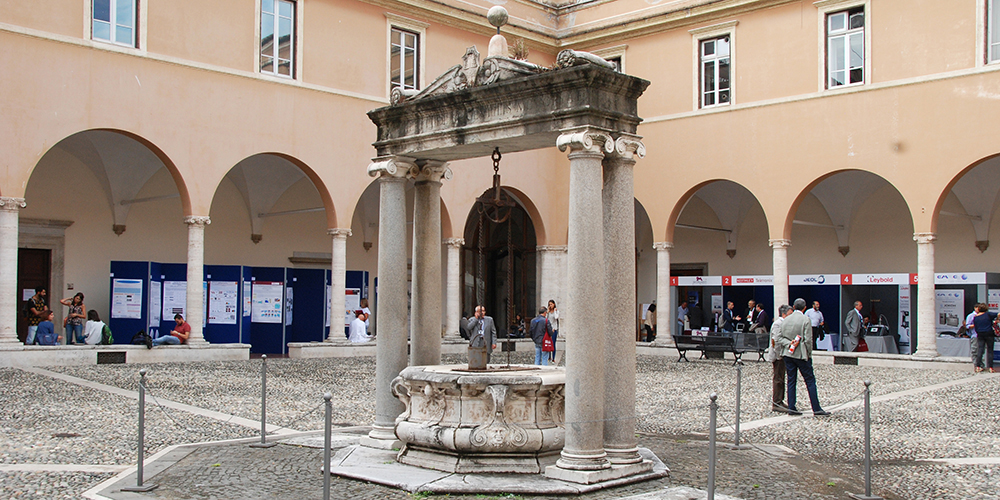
(584, 448)
(551, 262)
(620, 442)
(926, 302)
(425, 294)
(338, 283)
(196, 277)
(780, 270)
(390, 348)
(664, 313)
(9, 208)
(454, 285)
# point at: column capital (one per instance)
(663, 245)
(779, 243)
(586, 139)
(924, 238)
(13, 204)
(338, 232)
(197, 220)
(391, 167)
(430, 171)
(454, 242)
(630, 145)
(551, 248)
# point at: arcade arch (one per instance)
(966, 215)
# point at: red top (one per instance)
(185, 328)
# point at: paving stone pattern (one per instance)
(954, 422)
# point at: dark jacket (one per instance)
(539, 327)
(983, 324)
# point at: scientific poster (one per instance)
(949, 310)
(222, 302)
(155, 304)
(288, 306)
(247, 300)
(126, 299)
(328, 305)
(174, 299)
(267, 298)
(904, 316)
(353, 303)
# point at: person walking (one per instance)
(552, 313)
(777, 362)
(849, 341)
(985, 337)
(538, 327)
(74, 319)
(795, 345)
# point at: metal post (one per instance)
(739, 390)
(868, 448)
(263, 406)
(327, 424)
(142, 437)
(714, 408)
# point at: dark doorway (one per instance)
(33, 268)
(499, 266)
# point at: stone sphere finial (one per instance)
(497, 16)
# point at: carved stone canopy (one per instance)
(513, 105)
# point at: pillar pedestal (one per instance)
(194, 308)
(664, 312)
(390, 349)
(780, 270)
(454, 288)
(338, 283)
(926, 301)
(9, 210)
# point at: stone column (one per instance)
(664, 313)
(551, 262)
(338, 283)
(390, 348)
(780, 270)
(9, 208)
(425, 293)
(196, 277)
(620, 442)
(926, 302)
(454, 285)
(584, 448)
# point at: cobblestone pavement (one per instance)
(951, 422)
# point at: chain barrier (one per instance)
(299, 419)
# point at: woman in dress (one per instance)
(74, 319)
(553, 316)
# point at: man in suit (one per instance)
(849, 342)
(482, 331)
(794, 343)
(728, 320)
(751, 314)
(761, 321)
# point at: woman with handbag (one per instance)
(985, 324)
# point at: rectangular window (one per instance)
(277, 39)
(715, 68)
(404, 59)
(845, 47)
(993, 31)
(114, 21)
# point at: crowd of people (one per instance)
(79, 326)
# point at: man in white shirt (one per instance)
(816, 319)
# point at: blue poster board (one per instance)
(309, 313)
(220, 333)
(267, 338)
(124, 328)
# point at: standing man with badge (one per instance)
(849, 341)
(482, 331)
(816, 319)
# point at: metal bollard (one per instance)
(263, 406)
(327, 424)
(739, 390)
(868, 448)
(142, 438)
(714, 408)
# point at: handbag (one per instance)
(547, 345)
(862, 345)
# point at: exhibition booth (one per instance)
(242, 304)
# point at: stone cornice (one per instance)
(586, 139)
(454, 242)
(431, 171)
(663, 245)
(924, 238)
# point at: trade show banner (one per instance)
(904, 318)
(949, 310)
(993, 297)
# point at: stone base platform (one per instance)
(344, 349)
(381, 467)
(17, 355)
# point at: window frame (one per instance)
(824, 9)
(706, 34)
(419, 29)
(138, 23)
(296, 50)
(616, 52)
(987, 53)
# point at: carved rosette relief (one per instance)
(556, 407)
(498, 432)
(433, 405)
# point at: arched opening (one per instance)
(645, 263)
(965, 216)
(82, 195)
(499, 265)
